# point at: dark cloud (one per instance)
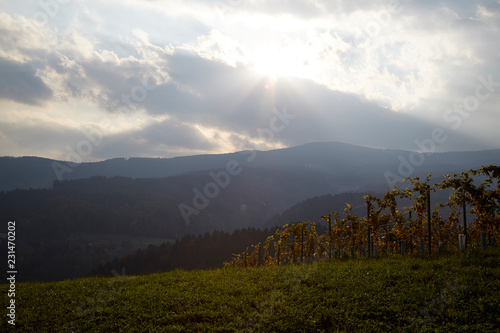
(20, 83)
(165, 138)
(167, 69)
(174, 134)
(236, 100)
(37, 137)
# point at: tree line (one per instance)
(206, 251)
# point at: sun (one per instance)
(274, 63)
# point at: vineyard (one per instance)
(388, 229)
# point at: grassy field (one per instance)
(443, 293)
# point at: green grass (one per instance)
(447, 293)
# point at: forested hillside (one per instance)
(191, 252)
(69, 228)
(342, 166)
(65, 231)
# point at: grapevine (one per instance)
(386, 227)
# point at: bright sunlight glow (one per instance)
(273, 62)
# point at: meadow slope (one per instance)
(442, 293)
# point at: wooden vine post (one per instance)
(301, 243)
(429, 247)
(465, 223)
(369, 226)
(330, 238)
(411, 233)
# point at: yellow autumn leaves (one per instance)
(387, 228)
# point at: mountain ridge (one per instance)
(327, 158)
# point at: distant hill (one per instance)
(52, 221)
(167, 199)
(209, 251)
(312, 209)
(341, 166)
(152, 207)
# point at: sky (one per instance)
(93, 80)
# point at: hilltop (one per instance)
(343, 167)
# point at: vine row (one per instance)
(387, 229)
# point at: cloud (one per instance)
(33, 134)
(191, 77)
(19, 82)
(167, 137)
